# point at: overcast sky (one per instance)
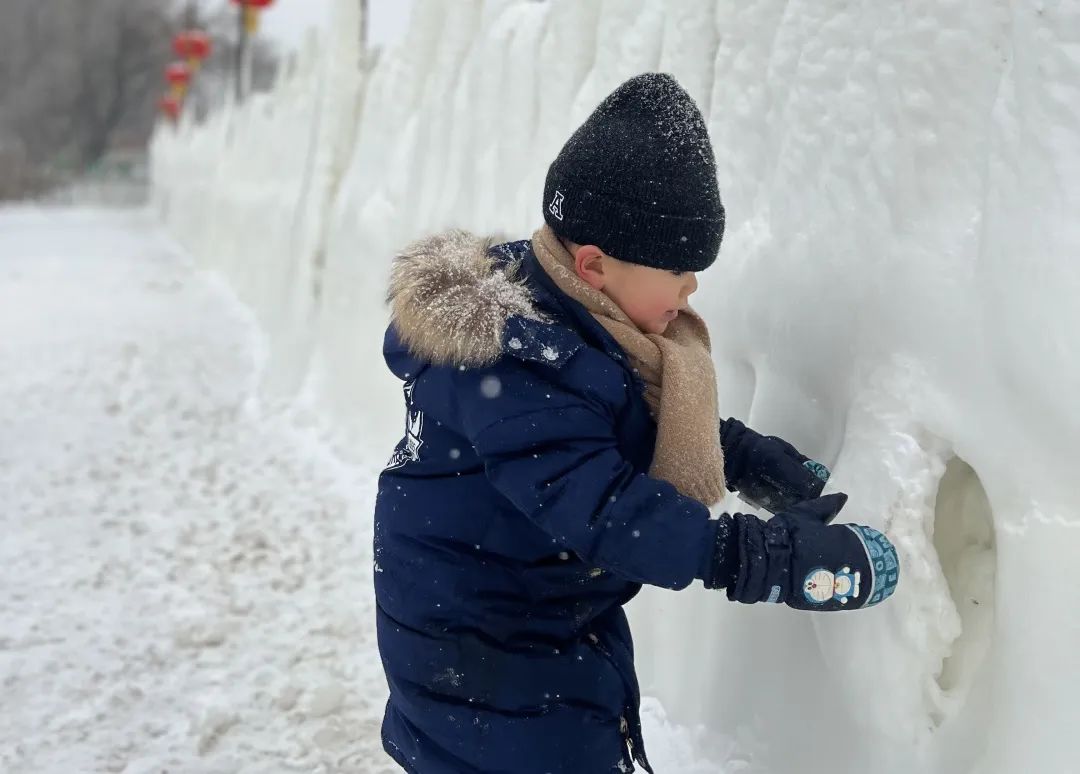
(286, 20)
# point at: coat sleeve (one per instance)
(553, 454)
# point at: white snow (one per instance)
(896, 295)
(186, 568)
(186, 572)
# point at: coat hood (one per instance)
(451, 296)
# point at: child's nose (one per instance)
(691, 285)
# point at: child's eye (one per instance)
(678, 273)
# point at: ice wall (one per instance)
(895, 295)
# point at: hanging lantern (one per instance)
(178, 76)
(251, 12)
(171, 106)
(193, 46)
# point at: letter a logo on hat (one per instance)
(555, 208)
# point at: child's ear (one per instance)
(589, 263)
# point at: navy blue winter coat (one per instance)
(515, 519)
(513, 522)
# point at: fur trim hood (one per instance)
(451, 298)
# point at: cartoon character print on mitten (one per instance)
(821, 585)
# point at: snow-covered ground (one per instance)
(185, 570)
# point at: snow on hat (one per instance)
(638, 179)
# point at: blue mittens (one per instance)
(799, 559)
(768, 472)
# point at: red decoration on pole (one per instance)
(251, 10)
(178, 73)
(171, 107)
(193, 46)
(178, 76)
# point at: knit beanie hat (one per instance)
(638, 179)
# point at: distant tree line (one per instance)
(80, 79)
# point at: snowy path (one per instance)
(185, 574)
(186, 581)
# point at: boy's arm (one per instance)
(555, 457)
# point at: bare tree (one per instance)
(80, 78)
(74, 74)
(120, 74)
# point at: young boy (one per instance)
(563, 447)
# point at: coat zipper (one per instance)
(624, 725)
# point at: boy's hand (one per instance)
(799, 559)
(767, 471)
(840, 567)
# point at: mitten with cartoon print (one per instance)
(767, 471)
(798, 558)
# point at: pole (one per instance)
(363, 27)
(241, 50)
(249, 57)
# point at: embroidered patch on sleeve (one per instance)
(539, 342)
(408, 448)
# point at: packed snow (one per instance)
(186, 567)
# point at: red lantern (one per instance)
(178, 73)
(179, 76)
(193, 46)
(251, 12)
(171, 106)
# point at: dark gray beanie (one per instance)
(638, 179)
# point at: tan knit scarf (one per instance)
(677, 368)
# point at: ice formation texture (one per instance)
(895, 296)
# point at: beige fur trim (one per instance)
(449, 302)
